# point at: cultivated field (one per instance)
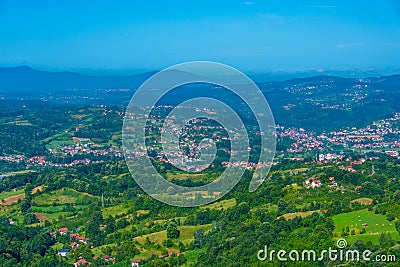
(377, 224)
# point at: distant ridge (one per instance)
(26, 81)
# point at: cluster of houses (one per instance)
(76, 236)
(325, 158)
(353, 96)
(73, 236)
(347, 168)
(350, 167)
(381, 134)
(86, 148)
(35, 160)
(77, 239)
(41, 161)
(303, 140)
(249, 165)
(13, 158)
(315, 183)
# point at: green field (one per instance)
(223, 204)
(55, 209)
(63, 196)
(98, 250)
(59, 140)
(303, 214)
(56, 215)
(57, 246)
(181, 176)
(377, 224)
(191, 256)
(117, 210)
(186, 234)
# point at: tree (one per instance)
(110, 225)
(168, 243)
(172, 230)
(181, 246)
(28, 191)
(386, 241)
(95, 219)
(282, 205)
(126, 251)
(198, 238)
(30, 218)
(396, 196)
(25, 205)
(83, 251)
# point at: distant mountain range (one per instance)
(25, 81)
(311, 102)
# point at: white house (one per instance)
(63, 252)
(316, 183)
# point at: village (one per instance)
(381, 136)
(75, 241)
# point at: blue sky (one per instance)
(269, 35)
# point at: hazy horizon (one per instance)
(258, 76)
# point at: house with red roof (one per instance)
(74, 245)
(63, 231)
(81, 262)
(108, 258)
